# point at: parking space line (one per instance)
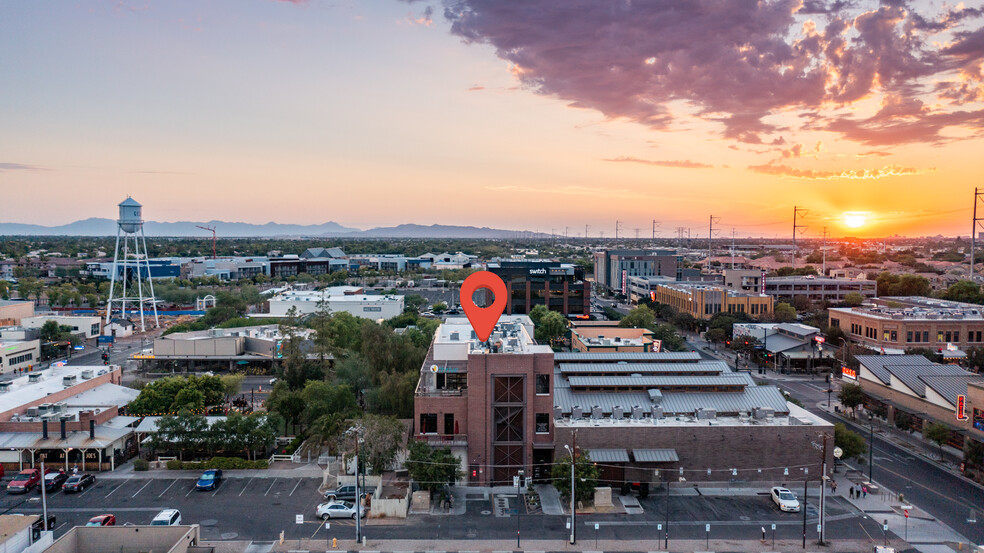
(142, 487)
(217, 488)
(295, 488)
(167, 488)
(246, 486)
(271, 487)
(123, 483)
(318, 529)
(85, 491)
(60, 526)
(189, 491)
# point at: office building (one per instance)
(893, 324)
(702, 301)
(642, 289)
(612, 338)
(86, 327)
(221, 348)
(336, 299)
(818, 289)
(18, 355)
(614, 267)
(744, 280)
(915, 387)
(559, 286)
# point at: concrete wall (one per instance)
(394, 508)
(127, 539)
(225, 346)
(12, 313)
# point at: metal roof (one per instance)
(105, 436)
(565, 398)
(779, 343)
(129, 202)
(608, 455)
(676, 403)
(629, 357)
(702, 366)
(655, 455)
(916, 373)
(730, 379)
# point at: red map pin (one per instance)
(483, 319)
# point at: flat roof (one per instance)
(22, 392)
(628, 357)
(11, 524)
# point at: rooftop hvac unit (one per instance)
(454, 336)
(5, 387)
(86, 374)
(66, 417)
(48, 416)
(36, 377)
(706, 414)
(657, 412)
(761, 413)
(636, 412)
(45, 407)
(596, 412)
(577, 412)
(70, 380)
(617, 412)
(655, 396)
(32, 411)
(558, 412)
(60, 407)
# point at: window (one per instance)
(835, 323)
(908, 336)
(885, 335)
(367, 309)
(925, 336)
(939, 336)
(542, 384)
(542, 423)
(449, 423)
(948, 339)
(895, 336)
(956, 335)
(428, 423)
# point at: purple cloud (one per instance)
(741, 61)
(19, 167)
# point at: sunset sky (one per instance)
(535, 114)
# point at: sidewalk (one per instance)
(300, 471)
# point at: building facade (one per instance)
(348, 299)
(19, 355)
(818, 289)
(614, 267)
(85, 326)
(559, 286)
(703, 301)
(12, 311)
(894, 324)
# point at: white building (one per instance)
(336, 299)
(18, 354)
(86, 326)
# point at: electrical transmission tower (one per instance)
(978, 192)
(618, 227)
(797, 228)
(710, 237)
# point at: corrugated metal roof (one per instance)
(676, 403)
(630, 357)
(876, 363)
(655, 455)
(702, 366)
(730, 379)
(608, 455)
(780, 343)
(916, 373)
(105, 436)
(566, 399)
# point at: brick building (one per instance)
(894, 324)
(702, 301)
(559, 286)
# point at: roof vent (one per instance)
(596, 412)
(35, 377)
(577, 412)
(5, 387)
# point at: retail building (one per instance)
(702, 301)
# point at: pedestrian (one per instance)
(857, 492)
(75, 470)
(850, 492)
(833, 486)
(864, 490)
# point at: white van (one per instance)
(167, 517)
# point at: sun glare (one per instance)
(855, 219)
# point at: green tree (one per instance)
(902, 285)
(716, 335)
(784, 312)
(326, 429)
(639, 317)
(383, 437)
(413, 302)
(439, 307)
(552, 326)
(432, 469)
(286, 402)
(585, 477)
(937, 433)
(853, 299)
(965, 291)
(321, 398)
(394, 394)
(538, 313)
(232, 384)
(851, 396)
(851, 443)
(974, 453)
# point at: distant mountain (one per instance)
(107, 227)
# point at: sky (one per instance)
(540, 115)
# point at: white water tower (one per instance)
(130, 281)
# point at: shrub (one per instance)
(140, 465)
(174, 464)
(226, 463)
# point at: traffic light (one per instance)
(105, 358)
(727, 342)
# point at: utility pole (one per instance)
(637, 229)
(796, 228)
(710, 236)
(978, 192)
(823, 478)
(680, 237)
(732, 248)
(586, 227)
(358, 497)
(618, 227)
(655, 224)
(823, 272)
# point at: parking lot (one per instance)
(241, 508)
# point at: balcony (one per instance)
(443, 440)
(454, 392)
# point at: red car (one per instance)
(102, 520)
(24, 481)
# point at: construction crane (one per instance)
(212, 230)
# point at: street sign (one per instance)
(885, 527)
(906, 511)
(773, 525)
(516, 481)
(838, 452)
(299, 519)
(707, 527)
(659, 526)
(818, 527)
(597, 525)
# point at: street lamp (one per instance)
(519, 500)
(830, 390)
(871, 445)
(573, 535)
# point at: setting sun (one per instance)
(855, 219)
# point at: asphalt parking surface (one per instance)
(241, 508)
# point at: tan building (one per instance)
(12, 311)
(898, 323)
(702, 301)
(925, 391)
(600, 339)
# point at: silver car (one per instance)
(338, 509)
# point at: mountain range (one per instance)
(107, 227)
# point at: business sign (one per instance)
(625, 281)
(849, 373)
(961, 411)
(541, 271)
(105, 339)
(762, 280)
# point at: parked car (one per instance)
(347, 493)
(209, 480)
(339, 509)
(642, 488)
(102, 520)
(167, 517)
(78, 483)
(53, 481)
(24, 481)
(786, 500)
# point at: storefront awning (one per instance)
(608, 455)
(668, 455)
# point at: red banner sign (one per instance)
(849, 373)
(961, 411)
